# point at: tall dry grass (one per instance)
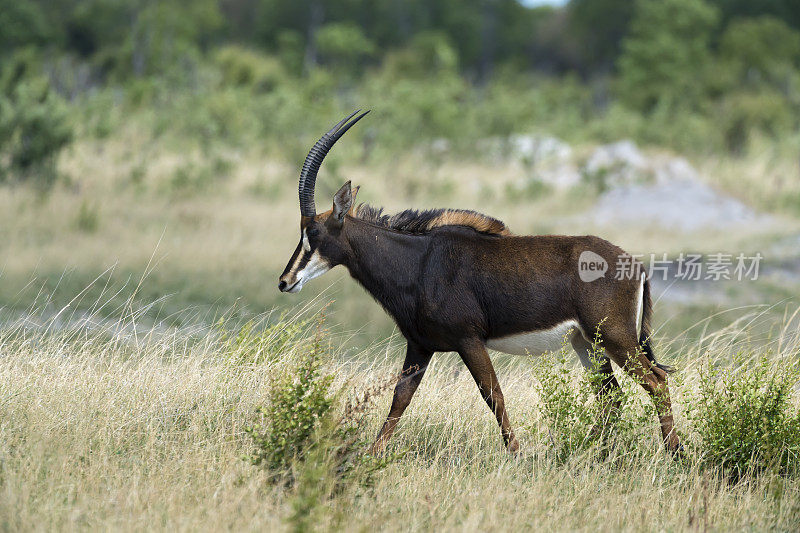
(119, 214)
(113, 426)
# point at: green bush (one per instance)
(745, 418)
(304, 429)
(34, 126)
(763, 49)
(195, 177)
(742, 113)
(428, 54)
(291, 51)
(22, 23)
(577, 421)
(135, 40)
(242, 67)
(299, 401)
(666, 53)
(344, 45)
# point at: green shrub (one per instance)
(618, 122)
(304, 429)
(681, 129)
(291, 50)
(242, 67)
(344, 45)
(745, 418)
(744, 112)
(163, 39)
(300, 400)
(577, 421)
(23, 23)
(666, 53)
(192, 177)
(428, 54)
(762, 49)
(335, 462)
(34, 126)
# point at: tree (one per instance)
(760, 58)
(428, 54)
(344, 45)
(141, 37)
(785, 10)
(21, 23)
(763, 49)
(34, 123)
(666, 54)
(599, 26)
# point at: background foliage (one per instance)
(668, 72)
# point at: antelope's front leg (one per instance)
(480, 366)
(414, 368)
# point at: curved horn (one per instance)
(308, 176)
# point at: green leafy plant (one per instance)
(248, 68)
(305, 427)
(666, 52)
(310, 442)
(745, 418)
(34, 125)
(299, 401)
(344, 45)
(577, 421)
(335, 461)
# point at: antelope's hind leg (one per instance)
(607, 389)
(414, 368)
(480, 366)
(631, 357)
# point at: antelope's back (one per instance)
(525, 283)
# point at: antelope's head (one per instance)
(320, 247)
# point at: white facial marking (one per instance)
(306, 245)
(315, 267)
(535, 342)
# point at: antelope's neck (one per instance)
(386, 263)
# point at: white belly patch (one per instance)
(535, 342)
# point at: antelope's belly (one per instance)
(535, 342)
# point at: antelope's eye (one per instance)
(312, 231)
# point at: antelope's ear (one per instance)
(342, 202)
(353, 203)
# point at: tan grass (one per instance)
(230, 242)
(110, 430)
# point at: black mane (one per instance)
(423, 221)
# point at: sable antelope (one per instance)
(457, 280)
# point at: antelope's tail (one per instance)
(644, 330)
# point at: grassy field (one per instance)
(124, 407)
(194, 236)
(110, 426)
(153, 377)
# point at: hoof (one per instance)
(678, 452)
(513, 447)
